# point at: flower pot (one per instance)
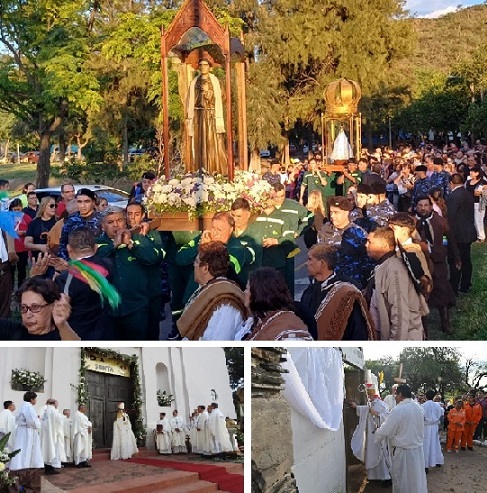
(22, 387)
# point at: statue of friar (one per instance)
(206, 126)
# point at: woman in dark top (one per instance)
(38, 229)
(44, 314)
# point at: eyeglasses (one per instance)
(32, 308)
(52, 206)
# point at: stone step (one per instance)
(155, 483)
(104, 454)
(198, 487)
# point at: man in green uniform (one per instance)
(314, 179)
(136, 258)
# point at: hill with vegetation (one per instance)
(444, 42)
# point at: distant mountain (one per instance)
(445, 41)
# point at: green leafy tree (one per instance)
(43, 70)
(235, 365)
(389, 367)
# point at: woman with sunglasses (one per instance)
(38, 229)
(44, 314)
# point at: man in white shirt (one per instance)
(7, 423)
(178, 439)
(433, 456)
(404, 428)
(390, 399)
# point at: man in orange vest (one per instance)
(473, 415)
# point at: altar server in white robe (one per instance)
(433, 412)
(68, 435)
(219, 434)
(404, 428)
(124, 444)
(364, 447)
(178, 431)
(82, 438)
(193, 419)
(7, 423)
(163, 435)
(52, 438)
(203, 435)
(28, 464)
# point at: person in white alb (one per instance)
(433, 412)
(28, 464)
(82, 438)
(124, 444)
(178, 434)
(203, 435)
(220, 439)
(52, 438)
(7, 423)
(163, 435)
(404, 428)
(390, 399)
(68, 435)
(373, 455)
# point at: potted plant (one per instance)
(26, 380)
(6, 479)
(164, 399)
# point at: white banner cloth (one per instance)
(314, 385)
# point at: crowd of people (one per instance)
(389, 238)
(205, 432)
(399, 438)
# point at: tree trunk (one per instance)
(62, 145)
(44, 163)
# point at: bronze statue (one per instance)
(205, 123)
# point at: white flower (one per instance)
(2, 466)
(209, 180)
(157, 187)
(174, 182)
(190, 201)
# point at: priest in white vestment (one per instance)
(124, 444)
(68, 435)
(7, 423)
(203, 434)
(404, 428)
(374, 455)
(178, 431)
(433, 412)
(163, 435)
(52, 438)
(28, 463)
(82, 438)
(220, 438)
(192, 431)
(390, 399)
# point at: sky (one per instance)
(374, 350)
(437, 8)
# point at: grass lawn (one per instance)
(18, 174)
(469, 317)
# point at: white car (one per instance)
(114, 196)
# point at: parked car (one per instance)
(114, 196)
(33, 156)
(265, 153)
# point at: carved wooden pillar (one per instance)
(272, 441)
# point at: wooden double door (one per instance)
(105, 392)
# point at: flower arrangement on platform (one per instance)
(6, 479)
(164, 399)
(27, 379)
(202, 194)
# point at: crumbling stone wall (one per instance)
(272, 440)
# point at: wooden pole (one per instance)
(165, 104)
(228, 67)
(242, 117)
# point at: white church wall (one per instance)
(319, 457)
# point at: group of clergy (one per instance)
(204, 433)
(47, 439)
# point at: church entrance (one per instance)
(105, 391)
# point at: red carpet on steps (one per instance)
(233, 483)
